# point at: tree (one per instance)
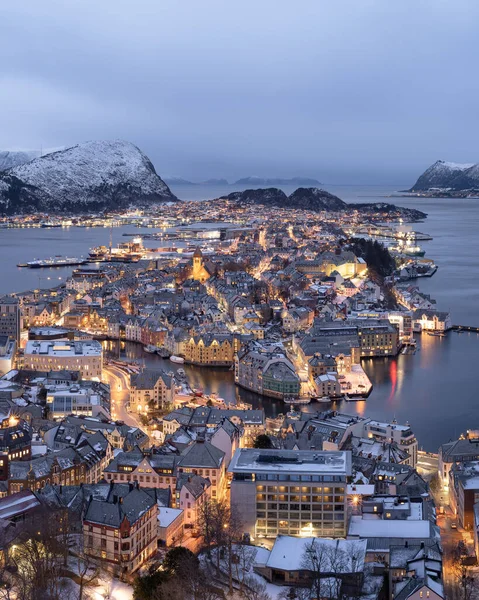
(465, 582)
(262, 441)
(87, 571)
(180, 560)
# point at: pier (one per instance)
(460, 328)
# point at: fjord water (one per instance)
(436, 389)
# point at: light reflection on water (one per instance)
(435, 389)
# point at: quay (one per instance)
(460, 328)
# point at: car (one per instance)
(453, 525)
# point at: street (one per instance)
(119, 390)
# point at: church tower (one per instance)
(198, 271)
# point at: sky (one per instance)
(347, 91)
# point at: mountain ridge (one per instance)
(316, 200)
(88, 177)
(444, 175)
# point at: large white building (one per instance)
(290, 492)
(62, 355)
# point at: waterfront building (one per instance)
(151, 390)
(290, 492)
(431, 320)
(266, 372)
(214, 350)
(85, 357)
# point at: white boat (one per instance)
(150, 349)
(297, 400)
(324, 399)
(177, 359)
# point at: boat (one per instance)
(163, 352)
(50, 224)
(198, 392)
(150, 349)
(436, 333)
(297, 400)
(177, 359)
(57, 261)
(132, 251)
(324, 399)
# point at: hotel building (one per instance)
(63, 355)
(290, 492)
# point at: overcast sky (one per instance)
(347, 91)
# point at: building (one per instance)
(290, 492)
(170, 525)
(202, 458)
(339, 563)
(465, 449)
(431, 320)
(269, 373)
(122, 529)
(15, 439)
(85, 357)
(151, 390)
(10, 318)
(464, 491)
(192, 491)
(214, 350)
(78, 400)
(8, 347)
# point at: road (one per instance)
(120, 395)
(427, 463)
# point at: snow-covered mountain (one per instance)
(15, 158)
(448, 175)
(89, 177)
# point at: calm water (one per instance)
(435, 390)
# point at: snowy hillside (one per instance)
(12, 158)
(89, 177)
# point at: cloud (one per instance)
(337, 90)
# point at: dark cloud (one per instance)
(369, 91)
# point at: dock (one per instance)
(470, 328)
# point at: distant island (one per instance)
(251, 181)
(317, 200)
(301, 181)
(448, 179)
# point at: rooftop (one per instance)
(248, 460)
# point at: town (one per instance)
(120, 471)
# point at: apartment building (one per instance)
(10, 318)
(122, 529)
(301, 493)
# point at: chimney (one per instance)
(115, 499)
(61, 489)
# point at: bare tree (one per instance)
(87, 571)
(465, 582)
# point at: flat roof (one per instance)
(63, 348)
(248, 460)
(375, 527)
